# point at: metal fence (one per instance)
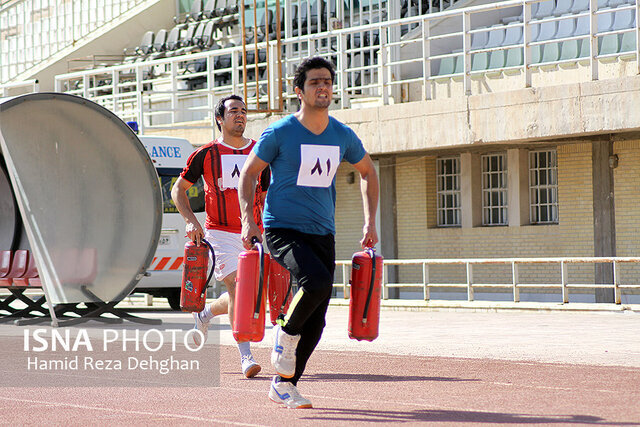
(515, 286)
(20, 88)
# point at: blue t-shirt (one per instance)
(302, 193)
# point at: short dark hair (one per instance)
(219, 112)
(312, 63)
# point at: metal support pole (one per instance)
(425, 281)
(470, 294)
(593, 38)
(345, 281)
(426, 64)
(515, 278)
(385, 282)
(616, 283)
(466, 56)
(565, 280)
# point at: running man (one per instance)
(304, 151)
(220, 162)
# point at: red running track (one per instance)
(349, 388)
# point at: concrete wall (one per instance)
(627, 201)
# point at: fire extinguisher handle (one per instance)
(213, 267)
(372, 254)
(256, 311)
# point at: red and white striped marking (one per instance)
(166, 263)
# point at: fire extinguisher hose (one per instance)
(256, 311)
(372, 254)
(213, 267)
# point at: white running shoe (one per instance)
(249, 366)
(283, 356)
(288, 395)
(202, 327)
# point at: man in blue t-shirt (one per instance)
(304, 151)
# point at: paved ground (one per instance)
(446, 367)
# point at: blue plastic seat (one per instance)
(479, 61)
(562, 7)
(544, 10)
(547, 31)
(610, 43)
(628, 39)
(574, 49)
(579, 6)
(514, 56)
(496, 58)
(452, 65)
(447, 66)
(552, 51)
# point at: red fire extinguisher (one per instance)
(364, 305)
(249, 310)
(279, 290)
(194, 275)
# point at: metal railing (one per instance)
(20, 88)
(32, 31)
(515, 286)
(373, 61)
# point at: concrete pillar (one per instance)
(389, 218)
(518, 187)
(471, 190)
(604, 222)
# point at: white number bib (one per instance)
(231, 166)
(318, 165)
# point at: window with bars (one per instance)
(494, 189)
(543, 186)
(448, 177)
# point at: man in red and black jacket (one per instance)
(220, 163)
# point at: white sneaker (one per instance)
(249, 366)
(288, 395)
(283, 356)
(202, 327)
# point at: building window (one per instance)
(494, 190)
(543, 186)
(448, 177)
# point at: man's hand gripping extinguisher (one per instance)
(249, 308)
(194, 275)
(364, 305)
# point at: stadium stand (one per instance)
(194, 14)
(571, 31)
(146, 44)
(557, 35)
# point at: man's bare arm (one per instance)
(246, 194)
(369, 188)
(180, 198)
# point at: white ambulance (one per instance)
(169, 155)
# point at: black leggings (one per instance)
(311, 260)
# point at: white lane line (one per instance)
(130, 412)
